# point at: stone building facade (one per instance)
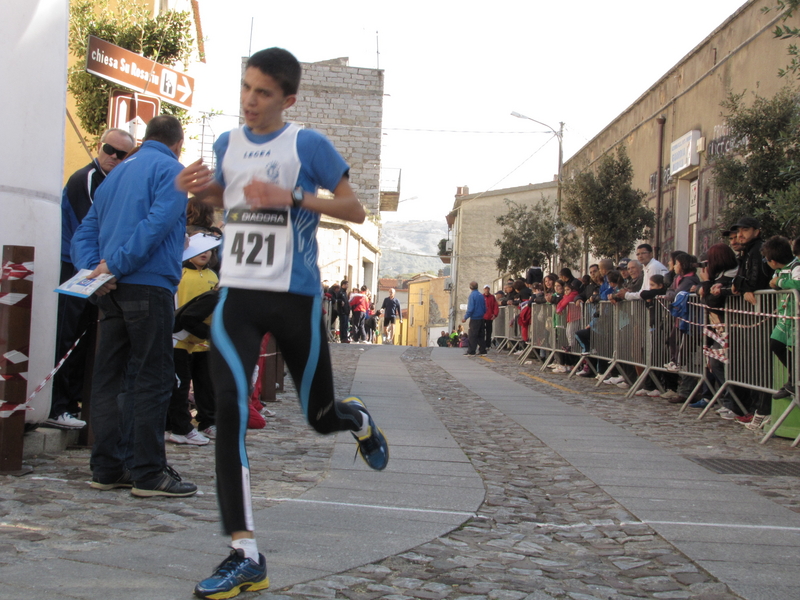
(676, 126)
(346, 104)
(473, 231)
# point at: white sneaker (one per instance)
(210, 432)
(654, 394)
(623, 385)
(727, 414)
(552, 365)
(265, 412)
(641, 392)
(758, 422)
(614, 380)
(193, 438)
(668, 394)
(560, 369)
(65, 421)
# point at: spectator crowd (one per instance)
(692, 291)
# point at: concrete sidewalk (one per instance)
(353, 517)
(743, 539)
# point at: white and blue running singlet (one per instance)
(258, 249)
(274, 250)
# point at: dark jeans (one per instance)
(75, 315)
(191, 368)
(133, 379)
(476, 336)
(359, 333)
(487, 333)
(344, 328)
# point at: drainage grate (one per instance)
(764, 468)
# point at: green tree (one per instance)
(165, 38)
(608, 209)
(532, 233)
(761, 176)
(787, 32)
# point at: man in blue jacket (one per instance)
(135, 232)
(476, 308)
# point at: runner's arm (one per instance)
(344, 205)
(199, 180)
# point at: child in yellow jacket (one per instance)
(196, 299)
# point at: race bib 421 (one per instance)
(257, 249)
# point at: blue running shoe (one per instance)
(702, 403)
(234, 575)
(373, 447)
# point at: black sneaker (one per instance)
(785, 392)
(110, 483)
(167, 484)
(373, 447)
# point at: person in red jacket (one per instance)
(359, 302)
(492, 310)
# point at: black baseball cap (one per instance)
(751, 222)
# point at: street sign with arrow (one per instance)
(137, 73)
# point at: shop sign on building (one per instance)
(683, 152)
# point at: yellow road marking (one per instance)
(561, 387)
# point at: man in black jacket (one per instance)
(754, 274)
(343, 308)
(75, 315)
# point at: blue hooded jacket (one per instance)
(137, 222)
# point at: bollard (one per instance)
(16, 289)
(272, 373)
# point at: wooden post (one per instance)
(272, 374)
(16, 290)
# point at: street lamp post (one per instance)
(560, 136)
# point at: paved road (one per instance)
(504, 484)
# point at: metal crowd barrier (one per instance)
(674, 345)
(499, 329)
(327, 319)
(541, 333)
(513, 332)
(655, 342)
(743, 342)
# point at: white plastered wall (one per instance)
(33, 72)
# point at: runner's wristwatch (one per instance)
(298, 195)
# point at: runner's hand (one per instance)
(262, 194)
(195, 178)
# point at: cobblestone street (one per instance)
(544, 529)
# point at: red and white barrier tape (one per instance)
(719, 354)
(24, 406)
(16, 271)
(737, 311)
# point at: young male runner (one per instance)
(267, 176)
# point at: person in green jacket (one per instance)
(781, 255)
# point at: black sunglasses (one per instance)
(111, 151)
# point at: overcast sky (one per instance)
(452, 69)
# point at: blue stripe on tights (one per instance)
(226, 348)
(313, 354)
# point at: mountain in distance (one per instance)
(411, 247)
